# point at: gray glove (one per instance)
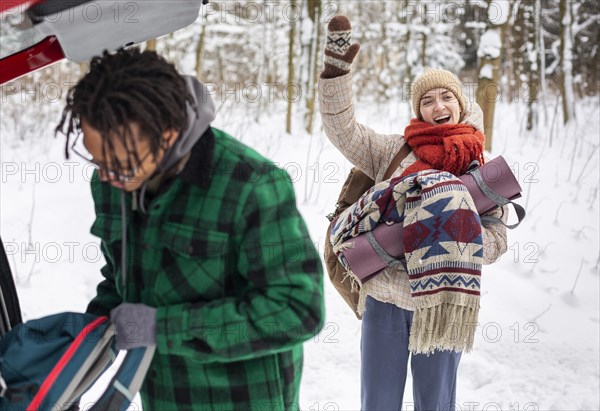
(135, 324)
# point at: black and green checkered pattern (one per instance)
(234, 275)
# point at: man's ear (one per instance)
(170, 136)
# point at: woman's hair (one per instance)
(124, 87)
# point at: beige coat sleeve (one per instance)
(368, 150)
(494, 236)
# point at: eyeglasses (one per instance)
(114, 172)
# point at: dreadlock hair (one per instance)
(124, 87)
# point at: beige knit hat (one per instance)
(436, 78)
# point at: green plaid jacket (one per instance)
(225, 257)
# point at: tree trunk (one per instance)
(424, 44)
(290, 83)
(151, 45)
(409, 73)
(83, 69)
(221, 66)
(566, 61)
(490, 54)
(314, 12)
(382, 63)
(487, 93)
(541, 47)
(263, 63)
(200, 49)
(532, 53)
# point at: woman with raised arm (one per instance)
(446, 135)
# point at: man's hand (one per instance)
(135, 324)
(339, 54)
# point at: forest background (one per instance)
(262, 52)
(532, 65)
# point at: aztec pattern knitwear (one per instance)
(338, 42)
(443, 249)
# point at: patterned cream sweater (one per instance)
(372, 153)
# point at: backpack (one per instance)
(356, 184)
(49, 363)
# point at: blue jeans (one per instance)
(384, 359)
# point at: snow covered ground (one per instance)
(537, 345)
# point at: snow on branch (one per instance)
(499, 12)
(490, 44)
(577, 28)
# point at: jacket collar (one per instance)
(198, 169)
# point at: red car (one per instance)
(37, 33)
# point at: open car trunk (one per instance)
(37, 33)
(10, 310)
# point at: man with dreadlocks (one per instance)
(207, 256)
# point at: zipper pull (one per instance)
(134, 201)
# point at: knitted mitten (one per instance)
(339, 54)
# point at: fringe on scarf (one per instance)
(443, 327)
(356, 284)
(350, 276)
(342, 247)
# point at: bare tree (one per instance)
(312, 46)
(200, 47)
(424, 37)
(566, 61)
(526, 57)
(490, 55)
(586, 47)
(541, 48)
(291, 75)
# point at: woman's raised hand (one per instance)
(339, 53)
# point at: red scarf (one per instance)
(446, 147)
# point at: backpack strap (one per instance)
(497, 198)
(390, 260)
(395, 163)
(127, 380)
(358, 182)
(98, 360)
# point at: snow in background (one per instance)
(537, 346)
